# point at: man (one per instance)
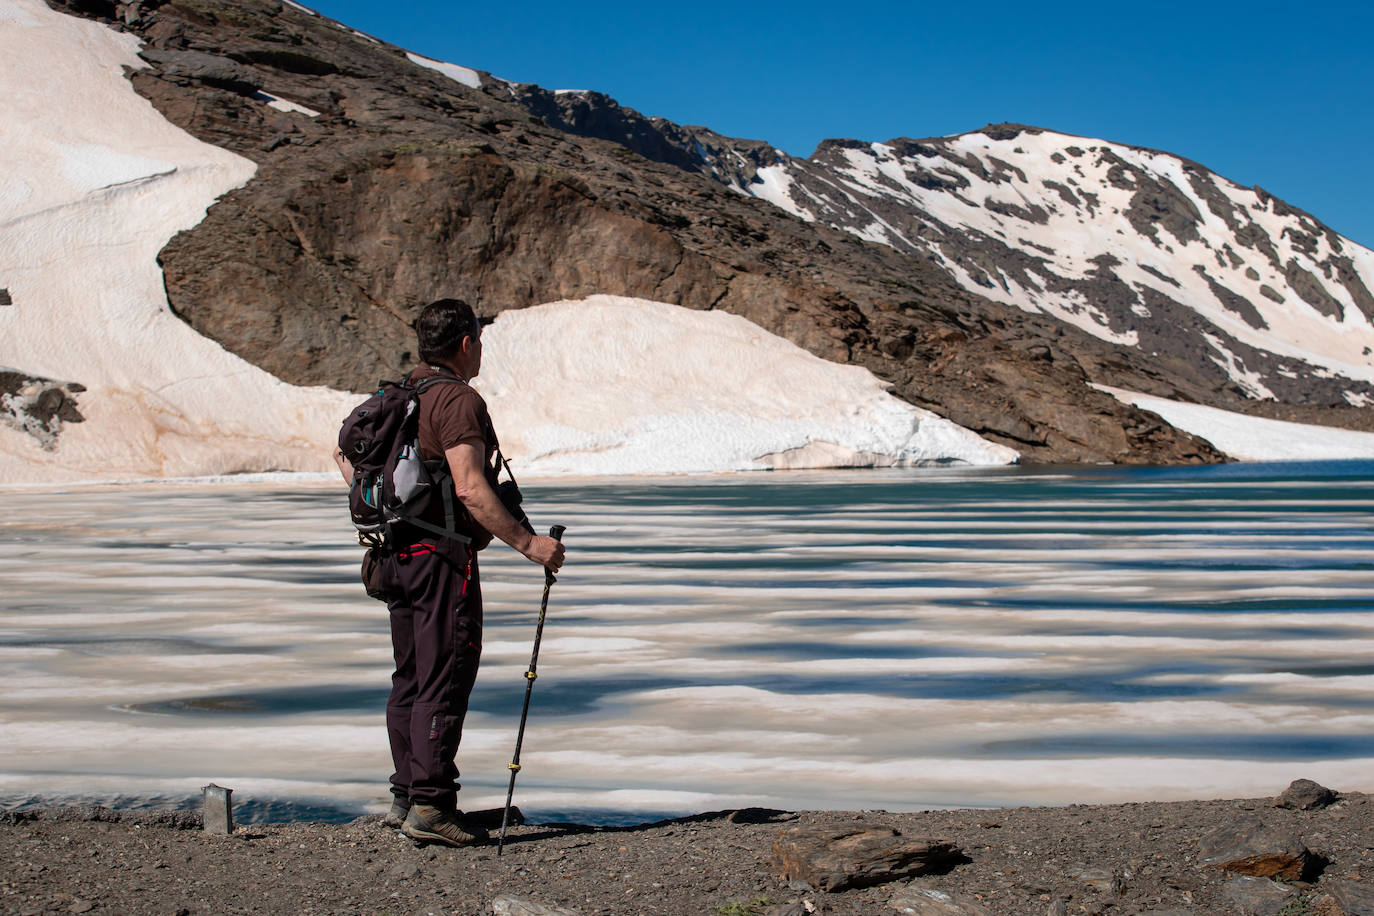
(432, 584)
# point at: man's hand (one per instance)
(547, 552)
(468, 464)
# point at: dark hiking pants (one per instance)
(435, 599)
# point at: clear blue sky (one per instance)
(1275, 94)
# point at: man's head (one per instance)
(449, 334)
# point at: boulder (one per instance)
(1248, 896)
(1304, 794)
(837, 858)
(1251, 848)
(921, 901)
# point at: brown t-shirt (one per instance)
(453, 413)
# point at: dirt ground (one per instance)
(1119, 859)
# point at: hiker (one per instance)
(431, 583)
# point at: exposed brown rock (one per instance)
(1252, 848)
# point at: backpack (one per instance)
(392, 483)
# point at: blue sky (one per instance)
(1279, 95)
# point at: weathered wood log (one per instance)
(836, 858)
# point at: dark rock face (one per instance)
(409, 185)
(38, 406)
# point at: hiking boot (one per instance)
(428, 824)
(400, 807)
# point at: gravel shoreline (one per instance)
(1079, 859)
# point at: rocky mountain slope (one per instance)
(383, 179)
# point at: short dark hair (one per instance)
(441, 327)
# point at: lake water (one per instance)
(892, 639)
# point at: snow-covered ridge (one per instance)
(1122, 242)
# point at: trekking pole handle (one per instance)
(556, 532)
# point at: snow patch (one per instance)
(467, 76)
(677, 390)
(773, 184)
(1251, 382)
(1254, 438)
(283, 105)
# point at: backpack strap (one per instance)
(443, 479)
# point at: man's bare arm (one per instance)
(475, 493)
(345, 468)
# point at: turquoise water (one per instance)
(895, 639)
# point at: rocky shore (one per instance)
(1302, 853)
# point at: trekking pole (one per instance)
(556, 532)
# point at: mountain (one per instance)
(1230, 292)
(381, 179)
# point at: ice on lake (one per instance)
(870, 639)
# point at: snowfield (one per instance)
(94, 183)
(1254, 438)
(674, 390)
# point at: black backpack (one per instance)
(392, 483)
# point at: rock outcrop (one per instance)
(38, 406)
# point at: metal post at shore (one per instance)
(218, 808)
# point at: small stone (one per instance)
(81, 906)
(921, 901)
(1257, 896)
(1343, 898)
(1104, 879)
(1305, 795)
(1251, 848)
(404, 871)
(505, 905)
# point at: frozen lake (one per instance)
(892, 639)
